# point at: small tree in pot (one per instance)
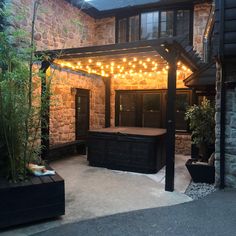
(202, 124)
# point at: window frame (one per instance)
(174, 9)
(162, 92)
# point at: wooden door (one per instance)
(82, 113)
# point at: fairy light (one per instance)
(90, 60)
(124, 59)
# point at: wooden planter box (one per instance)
(201, 173)
(37, 199)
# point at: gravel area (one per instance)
(199, 190)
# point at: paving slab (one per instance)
(93, 192)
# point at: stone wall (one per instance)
(59, 25)
(105, 31)
(230, 129)
(201, 15)
(62, 110)
(183, 144)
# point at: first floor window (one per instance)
(128, 29)
(149, 25)
(167, 24)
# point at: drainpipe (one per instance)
(222, 96)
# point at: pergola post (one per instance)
(45, 112)
(107, 81)
(170, 125)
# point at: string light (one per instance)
(132, 67)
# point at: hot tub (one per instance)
(127, 148)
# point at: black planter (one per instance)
(201, 173)
(37, 199)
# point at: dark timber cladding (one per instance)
(229, 30)
(170, 50)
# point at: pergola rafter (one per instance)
(166, 50)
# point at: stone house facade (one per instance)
(225, 94)
(61, 25)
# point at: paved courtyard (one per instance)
(94, 192)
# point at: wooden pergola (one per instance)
(165, 51)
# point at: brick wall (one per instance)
(201, 15)
(62, 110)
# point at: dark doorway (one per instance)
(82, 113)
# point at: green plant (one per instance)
(20, 115)
(202, 123)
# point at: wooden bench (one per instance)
(36, 199)
(67, 149)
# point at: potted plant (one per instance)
(202, 125)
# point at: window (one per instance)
(182, 26)
(154, 25)
(128, 29)
(182, 101)
(127, 109)
(122, 30)
(167, 22)
(148, 108)
(149, 25)
(133, 28)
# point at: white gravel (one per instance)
(199, 190)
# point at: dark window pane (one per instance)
(127, 110)
(181, 104)
(149, 25)
(166, 20)
(183, 23)
(134, 28)
(122, 27)
(151, 110)
(151, 102)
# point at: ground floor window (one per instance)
(148, 108)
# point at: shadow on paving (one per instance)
(213, 215)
